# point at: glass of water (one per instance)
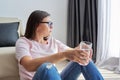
(86, 46)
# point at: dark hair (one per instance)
(33, 21)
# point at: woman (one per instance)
(37, 51)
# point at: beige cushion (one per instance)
(8, 63)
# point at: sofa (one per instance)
(9, 33)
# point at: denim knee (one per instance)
(47, 71)
(47, 66)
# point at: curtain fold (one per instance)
(82, 23)
(103, 31)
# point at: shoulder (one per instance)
(56, 41)
(53, 40)
(22, 41)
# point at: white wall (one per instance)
(22, 9)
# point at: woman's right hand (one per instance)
(77, 55)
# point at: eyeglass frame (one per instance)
(49, 23)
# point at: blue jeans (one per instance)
(48, 71)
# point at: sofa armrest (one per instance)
(8, 63)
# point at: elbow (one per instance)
(27, 64)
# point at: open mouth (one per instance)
(45, 38)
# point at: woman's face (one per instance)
(44, 29)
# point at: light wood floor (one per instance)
(108, 75)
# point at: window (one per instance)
(115, 28)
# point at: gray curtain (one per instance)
(82, 23)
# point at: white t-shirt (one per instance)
(26, 47)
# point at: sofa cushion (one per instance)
(8, 34)
(21, 29)
(8, 63)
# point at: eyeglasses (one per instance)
(49, 23)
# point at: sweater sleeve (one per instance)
(22, 49)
